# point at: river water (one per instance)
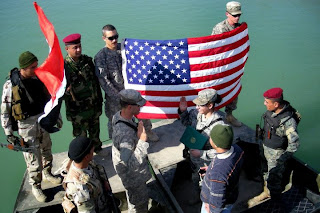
(284, 38)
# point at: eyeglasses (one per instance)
(237, 15)
(115, 37)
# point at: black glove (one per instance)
(13, 139)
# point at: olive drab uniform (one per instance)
(129, 157)
(198, 121)
(83, 98)
(109, 71)
(280, 141)
(84, 190)
(223, 27)
(23, 101)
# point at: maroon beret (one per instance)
(72, 39)
(274, 93)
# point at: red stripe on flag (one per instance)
(218, 50)
(217, 75)
(176, 103)
(225, 35)
(219, 63)
(142, 115)
(186, 92)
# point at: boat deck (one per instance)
(170, 187)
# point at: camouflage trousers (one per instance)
(85, 127)
(273, 169)
(112, 107)
(41, 157)
(232, 106)
(138, 198)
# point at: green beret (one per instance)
(222, 136)
(26, 59)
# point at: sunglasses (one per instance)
(115, 37)
(238, 15)
(204, 105)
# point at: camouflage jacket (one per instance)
(198, 121)
(34, 87)
(223, 27)
(280, 130)
(84, 188)
(129, 154)
(84, 97)
(109, 71)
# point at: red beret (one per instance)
(72, 39)
(274, 93)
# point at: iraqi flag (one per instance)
(51, 73)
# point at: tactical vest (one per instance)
(93, 185)
(27, 102)
(271, 124)
(85, 90)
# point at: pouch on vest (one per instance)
(68, 206)
(16, 107)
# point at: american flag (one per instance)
(164, 70)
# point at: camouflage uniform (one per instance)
(84, 100)
(276, 158)
(109, 71)
(84, 188)
(129, 156)
(223, 27)
(29, 129)
(199, 122)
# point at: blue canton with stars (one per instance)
(157, 62)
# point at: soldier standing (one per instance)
(280, 141)
(203, 119)
(23, 100)
(83, 96)
(108, 63)
(86, 183)
(233, 14)
(129, 150)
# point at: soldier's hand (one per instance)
(183, 104)
(142, 135)
(195, 153)
(13, 139)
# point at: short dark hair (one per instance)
(108, 27)
(279, 100)
(217, 101)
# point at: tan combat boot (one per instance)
(232, 120)
(257, 199)
(46, 174)
(38, 193)
(152, 137)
